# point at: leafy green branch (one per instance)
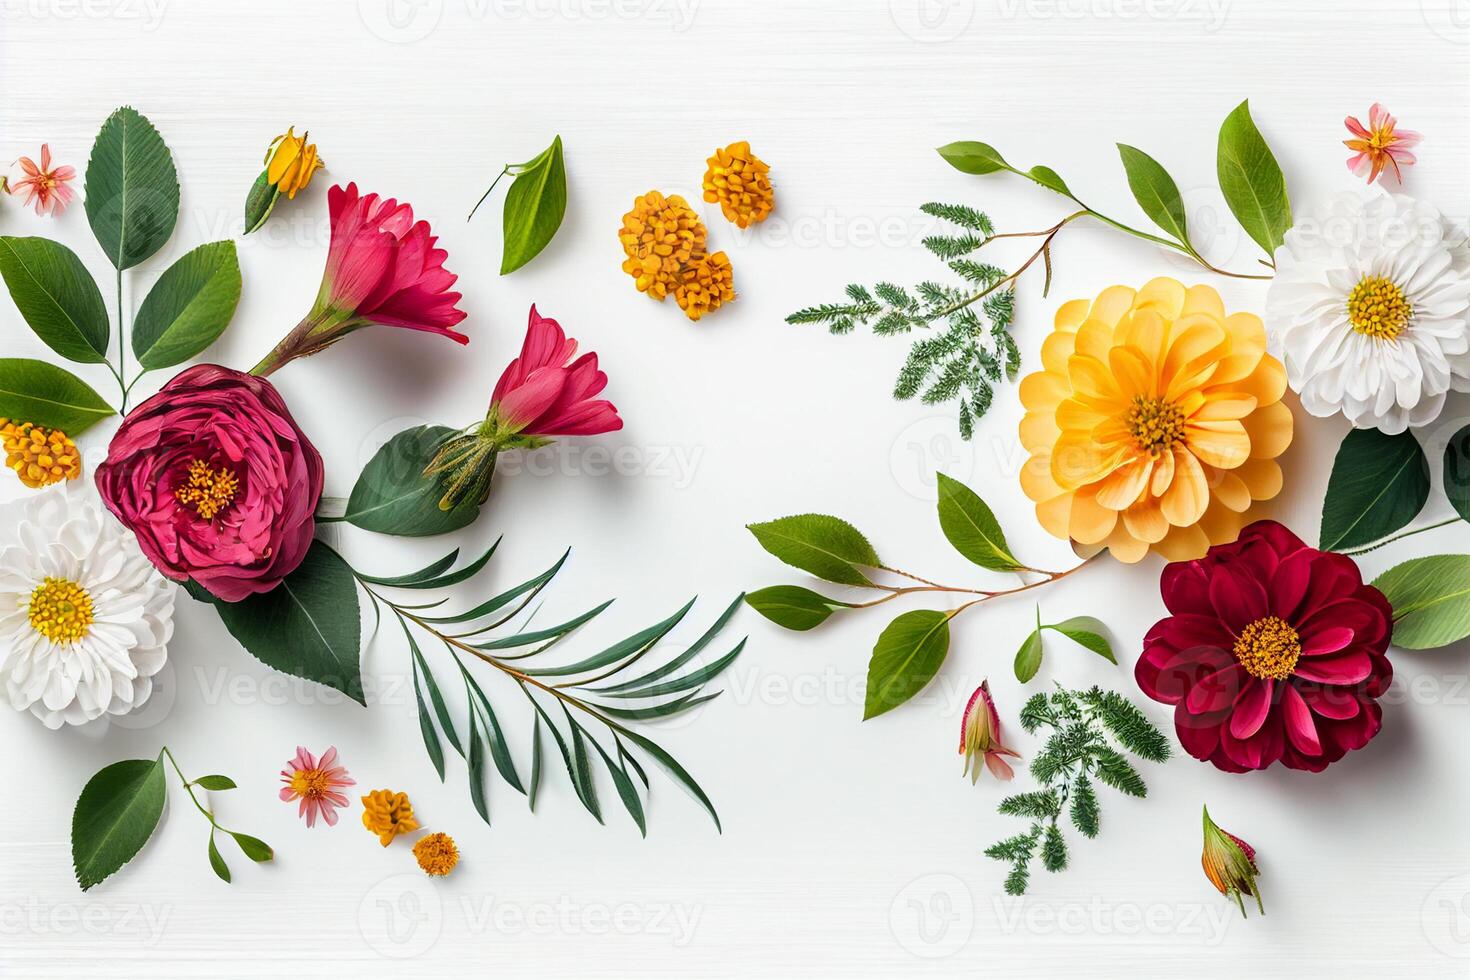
(1087, 730)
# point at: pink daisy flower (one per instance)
(315, 782)
(1379, 145)
(44, 187)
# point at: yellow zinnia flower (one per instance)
(39, 456)
(1155, 423)
(291, 162)
(388, 814)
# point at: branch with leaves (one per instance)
(910, 651)
(1087, 731)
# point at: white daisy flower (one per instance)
(1370, 310)
(85, 619)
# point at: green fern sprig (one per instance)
(1088, 729)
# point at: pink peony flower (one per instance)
(217, 482)
(44, 187)
(546, 393)
(382, 267)
(315, 782)
(980, 737)
(1380, 144)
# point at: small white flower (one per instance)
(85, 619)
(1370, 310)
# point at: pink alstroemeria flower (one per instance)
(44, 187)
(980, 737)
(316, 782)
(382, 267)
(1380, 144)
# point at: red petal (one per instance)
(1333, 703)
(1237, 598)
(1300, 727)
(1348, 668)
(1327, 641)
(1216, 692)
(1251, 708)
(1289, 584)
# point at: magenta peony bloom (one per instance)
(382, 267)
(1274, 652)
(217, 482)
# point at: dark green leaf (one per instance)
(671, 766)
(1088, 631)
(436, 697)
(260, 202)
(1028, 658)
(1084, 809)
(216, 861)
(308, 626)
(626, 649)
(57, 296)
(393, 496)
(793, 607)
(665, 710)
(536, 636)
(529, 588)
(426, 728)
(906, 658)
(1053, 849)
(1119, 773)
(499, 752)
(254, 848)
(1155, 192)
(411, 579)
(970, 157)
(132, 189)
(693, 679)
(683, 658)
(1457, 472)
(1430, 599)
(627, 792)
(971, 527)
(582, 778)
(114, 817)
(477, 770)
(1378, 484)
(458, 575)
(49, 396)
(534, 207)
(189, 307)
(215, 783)
(567, 759)
(827, 547)
(1251, 180)
(535, 765)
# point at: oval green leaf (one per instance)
(906, 657)
(1430, 599)
(1457, 472)
(114, 817)
(1088, 631)
(392, 495)
(254, 848)
(57, 296)
(1378, 484)
(215, 783)
(309, 626)
(132, 189)
(217, 862)
(971, 527)
(827, 547)
(1028, 658)
(1251, 180)
(970, 157)
(534, 207)
(1050, 179)
(792, 607)
(35, 391)
(1155, 192)
(189, 307)
(260, 202)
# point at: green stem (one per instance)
(487, 192)
(189, 788)
(122, 343)
(1404, 534)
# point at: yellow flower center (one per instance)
(60, 610)
(436, 854)
(309, 782)
(1156, 425)
(207, 490)
(1378, 308)
(1268, 648)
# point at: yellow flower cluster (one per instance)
(436, 854)
(388, 814)
(737, 181)
(665, 245)
(39, 456)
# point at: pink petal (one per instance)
(1300, 727)
(1251, 708)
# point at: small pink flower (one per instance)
(1379, 145)
(546, 393)
(315, 782)
(44, 187)
(980, 737)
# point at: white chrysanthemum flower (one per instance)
(1370, 310)
(85, 619)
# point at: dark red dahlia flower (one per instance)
(1274, 653)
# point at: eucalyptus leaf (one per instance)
(534, 207)
(42, 393)
(1251, 180)
(1378, 484)
(793, 607)
(116, 814)
(1155, 192)
(393, 496)
(971, 527)
(827, 547)
(57, 297)
(1457, 472)
(906, 657)
(1430, 599)
(132, 189)
(189, 307)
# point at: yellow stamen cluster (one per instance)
(291, 162)
(207, 490)
(40, 457)
(1378, 308)
(60, 610)
(1268, 648)
(388, 814)
(706, 285)
(310, 783)
(436, 854)
(737, 180)
(664, 242)
(1156, 425)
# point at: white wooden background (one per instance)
(849, 849)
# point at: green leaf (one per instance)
(693, 679)
(535, 783)
(430, 734)
(970, 157)
(35, 391)
(216, 861)
(114, 817)
(1084, 809)
(392, 495)
(972, 528)
(627, 792)
(189, 307)
(905, 658)
(679, 774)
(476, 763)
(689, 654)
(1088, 631)
(260, 202)
(1251, 180)
(534, 207)
(1053, 850)
(254, 848)
(308, 626)
(792, 607)
(407, 581)
(132, 189)
(1048, 178)
(627, 649)
(827, 547)
(1457, 472)
(215, 783)
(1028, 658)
(1378, 483)
(1155, 192)
(57, 296)
(1430, 599)
(1119, 773)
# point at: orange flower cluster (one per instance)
(665, 245)
(737, 180)
(39, 456)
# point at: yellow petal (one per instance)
(1095, 339)
(1081, 416)
(1184, 544)
(1195, 339)
(1148, 332)
(1221, 524)
(1111, 304)
(1039, 431)
(1036, 479)
(1269, 428)
(1163, 296)
(1145, 521)
(1223, 406)
(1247, 333)
(1267, 382)
(1164, 468)
(1053, 515)
(1231, 491)
(1133, 372)
(1121, 488)
(1187, 497)
(1222, 444)
(1205, 300)
(1092, 379)
(1041, 391)
(1071, 314)
(1055, 350)
(1078, 460)
(1090, 522)
(1262, 477)
(1125, 547)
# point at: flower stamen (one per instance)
(60, 610)
(1155, 424)
(1268, 648)
(207, 490)
(1378, 308)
